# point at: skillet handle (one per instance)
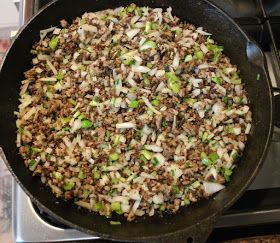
(197, 233)
(26, 11)
(277, 107)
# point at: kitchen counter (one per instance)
(5, 203)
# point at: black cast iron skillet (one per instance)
(196, 221)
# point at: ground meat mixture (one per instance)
(131, 111)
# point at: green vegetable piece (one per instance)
(150, 112)
(138, 11)
(115, 222)
(148, 27)
(204, 159)
(147, 82)
(175, 189)
(115, 181)
(209, 40)
(143, 158)
(116, 206)
(196, 184)
(138, 135)
(130, 9)
(107, 136)
(178, 31)
(82, 175)
(87, 124)
(187, 201)
(229, 129)
(94, 102)
(199, 55)
(204, 137)
(155, 161)
(69, 185)
(213, 157)
(77, 113)
(59, 76)
(134, 104)
(217, 80)
(173, 82)
(97, 207)
(258, 77)
(164, 123)
(72, 102)
(32, 162)
(165, 27)
(129, 62)
(155, 102)
(154, 173)
(58, 176)
(234, 154)
(190, 101)
(35, 150)
(154, 26)
(119, 212)
(20, 130)
(216, 50)
(86, 192)
(188, 58)
(114, 156)
(96, 175)
(172, 76)
(53, 43)
(149, 65)
(117, 140)
(146, 154)
(225, 99)
(227, 174)
(81, 117)
(162, 208)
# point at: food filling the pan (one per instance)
(131, 111)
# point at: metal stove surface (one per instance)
(259, 205)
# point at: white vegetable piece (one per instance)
(212, 187)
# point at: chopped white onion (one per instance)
(158, 198)
(176, 61)
(212, 187)
(195, 81)
(248, 128)
(153, 148)
(52, 67)
(77, 124)
(135, 206)
(169, 10)
(89, 28)
(203, 48)
(134, 195)
(147, 130)
(211, 173)
(160, 87)
(131, 33)
(125, 125)
(140, 69)
(202, 32)
(203, 66)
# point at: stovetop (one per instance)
(259, 205)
